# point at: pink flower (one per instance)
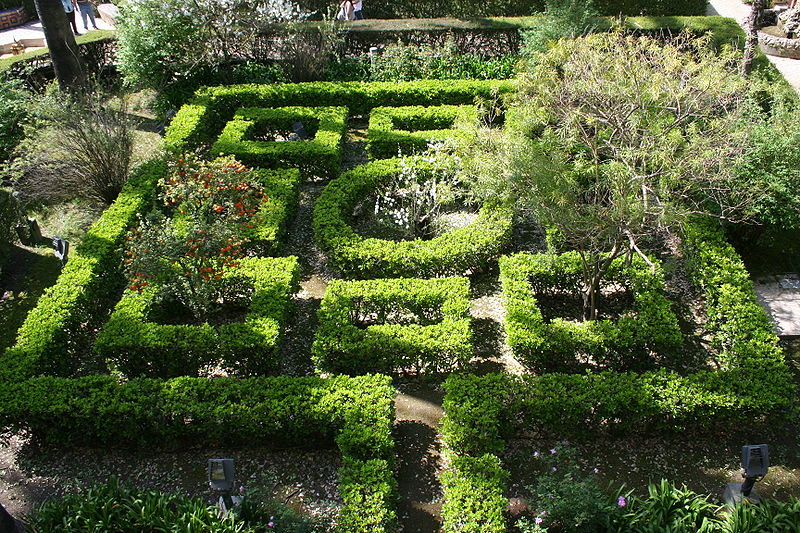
(596, 470)
(553, 468)
(536, 454)
(538, 520)
(553, 450)
(241, 490)
(270, 524)
(621, 501)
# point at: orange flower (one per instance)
(218, 208)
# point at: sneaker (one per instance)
(77, 34)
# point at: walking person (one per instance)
(69, 9)
(357, 14)
(87, 12)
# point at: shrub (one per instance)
(79, 148)
(9, 217)
(394, 325)
(318, 155)
(559, 345)
(410, 129)
(455, 252)
(408, 62)
(139, 346)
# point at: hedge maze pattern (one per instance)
(401, 310)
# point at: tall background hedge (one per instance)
(508, 8)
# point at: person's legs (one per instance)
(87, 12)
(359, 15)
(71, 19)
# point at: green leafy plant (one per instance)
(564, 497)
(212, 206)
(562, 19)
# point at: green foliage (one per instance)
(369, 496)
(772, 163)
(115, 507)
(563, 19)
(406, 62)
(473, 406)
(452, 253)
(97, 411)
(138, 346)
(56, 333)
(201, 120)
(410, 129)
(13, 102)
(769, 516)
(564, 497)
(669, 508)
(473, 495)
(508, 8)
(196, 233)
(394, 325)
(9, 217)
(559, 345)
(320, 155)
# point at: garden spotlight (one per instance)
(755, 462)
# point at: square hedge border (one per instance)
(200, 121)
(440, 342)
(355, 414)
(552, 346)
(320, 155)
(139, 347)
(482, 411)
(409, 129)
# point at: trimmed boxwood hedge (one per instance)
(409, 129)
(354, 413)
(202, 119)
(483, 411)
(139, 347)
(453, 253)
(282, 188)
(553, 346)
(320, 155)
(417, 325)
(56, 332)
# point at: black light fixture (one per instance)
(221, 480)
(755, 462)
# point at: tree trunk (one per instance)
(67, 62)
(751, 42)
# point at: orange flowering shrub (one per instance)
(195, 233)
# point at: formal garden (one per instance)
(413, 274)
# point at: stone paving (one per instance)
(32, 34)
(779, 295)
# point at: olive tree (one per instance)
(613, 136)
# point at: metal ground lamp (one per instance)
(221, 480)
(755, 462)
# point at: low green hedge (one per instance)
(453, 253)
(474, 487)
(139, 347)
(409, 129)
(282, 188)
(320, 155)
(354, 413)
(753, 381)
(56, 333)
(394, 325)
(559, 345)
(201, 120)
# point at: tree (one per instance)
(61, 44)
(618, 136)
